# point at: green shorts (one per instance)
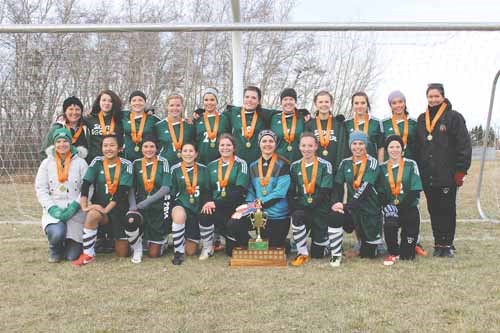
(368, 225)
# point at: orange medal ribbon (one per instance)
(112, 186)
(324, 140)
(211, 132)
(149, 183)
(289, 135)
(365, 127)
(395, 188)
(309, 186)
(190, 186)
(248, 132)
(430, 126)
(103, 124)
(63, 171)
(357, 183)
(265, 181)
(176, 142)
(137, 136)
(77, 133)
(405, 129)
(223, 182)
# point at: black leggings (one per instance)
(442, 206)
(409, 222)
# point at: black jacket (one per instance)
(448, 152)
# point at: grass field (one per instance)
(112, 295)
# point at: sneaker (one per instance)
(206, 253)
(390, 260)
(438, 251)
(419, 250)
(178, 258)
(137, 256)
(83, 260)
(335, 261)
(447, 252)
(299, 260)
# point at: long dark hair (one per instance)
(116, 109)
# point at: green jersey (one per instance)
(411, 181)
(237, 177)
(375, 137)
(290, 151)
(208, 149)
(324, 180)
(168, 150)
(345, 175)
(162, 178)
(95, 138)
(410, 150)
(248, 149)
(95, 176)
(337, 148)
(179, 192)
(131, 150)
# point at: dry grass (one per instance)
(431, 294)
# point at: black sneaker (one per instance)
(448, 252)
(438, 251)
(178, 258)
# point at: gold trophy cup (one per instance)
(259, 221)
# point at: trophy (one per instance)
(259, 220)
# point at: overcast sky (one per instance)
(465, 62)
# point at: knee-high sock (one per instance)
(89, 236)
(300, 238)
(135, 239)
(335, 235)
(178, 235)
(207, 235)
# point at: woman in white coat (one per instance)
(58, 182)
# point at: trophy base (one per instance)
(272, 257)
(259, 245)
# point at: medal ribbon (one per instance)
(405, 129)
(112, 186)
(63, 171)
(176, 142)
(211, 133)
(103, 124)
(77, 134)
(324, 140)
(265, 181)
(149, 183)
(395, 188)
(357, 183)
(430, 126)
(248, 133)
(289, 135)
(190, 186)
(309, 186)
(137, 136)
(223, 182)
(365, 127)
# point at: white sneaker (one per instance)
(206, 253)
(137, 256)
(335, 261)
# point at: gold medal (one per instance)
(248, 144)
(429, 137)
(264, 191)
(191, 199)
(179, 154)
(309, 199)
(212, 144)
(396, 201)
(289, 148)
(325, 152)
(223, 193)
(62, 188)
(136, 148)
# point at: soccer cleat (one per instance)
(390, 260)
(178, 258)
(335, 261)
(300, 260)
(205, 254)
(419, 250)
(447, 252)
(137, 256)
(438, 251)
(83, 260)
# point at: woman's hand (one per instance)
(208, 208)
(338, 207)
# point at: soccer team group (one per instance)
(132, 177)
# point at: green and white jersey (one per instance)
(375, 137)
(345, 175)
(95, 176)
(163, 134)
(179, 192)
(162, 178)
(411, 181)
(208, 150)
(252, 153)
(338, 149)
(324, 180)
(388, 130)
(282, 145)
(238, 177)
(95, 138)
(130, 152)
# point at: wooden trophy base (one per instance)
(272, 257)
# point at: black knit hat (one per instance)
(72, 101)
(394, 138)
(137, 93)
(288, 92)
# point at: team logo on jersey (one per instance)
(442, 128)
